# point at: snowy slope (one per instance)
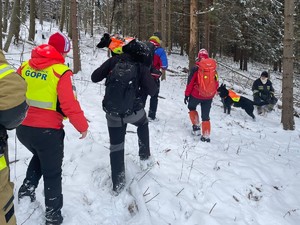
(247, 175)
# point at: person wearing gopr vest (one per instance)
(50, 95)
(13, 108)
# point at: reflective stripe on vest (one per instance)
(5, 69)
(2, 162)
(42, 85)
(234, 96)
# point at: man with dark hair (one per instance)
(13, 108)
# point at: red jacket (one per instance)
(192, 87)
(42, 57)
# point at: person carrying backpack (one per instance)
(201, 87)
(160, 62)
(125, 76)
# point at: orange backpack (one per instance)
(207, 77)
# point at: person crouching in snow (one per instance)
(201, 87)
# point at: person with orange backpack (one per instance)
(201, 88)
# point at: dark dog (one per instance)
(229, 98)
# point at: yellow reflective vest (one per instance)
(2, 162)
(42, 85)
(5, 69)
(234, 96)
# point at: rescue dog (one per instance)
(230, 98)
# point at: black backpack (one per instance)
(121, 89)
(150, 58)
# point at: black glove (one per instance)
(257, 101)
(186, 99)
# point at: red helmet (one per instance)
(202, 54)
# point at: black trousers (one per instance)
(117, 130)
(204, 104)
(47, 147)
(153, 101)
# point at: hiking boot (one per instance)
(196, 130)
(53, 209)
(54, 220)
(117, 189)
(53, 223)
(204, 139)
(153, 119)
(119, 184)
(27, 190)
(270, 107)
(146, 162)
(259, 110)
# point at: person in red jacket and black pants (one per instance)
(50, 95)
(193, 98)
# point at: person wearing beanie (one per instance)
(158, 69)
(197, 94)
(60, 42)
(263, 93)
(51, 98)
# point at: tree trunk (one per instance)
(193, 32)
(155, 15)
(41, 12)
(92, 18)
(163, 21)
(14, 26)
(287, 116)
(5, 15)
(75, 39)
(245, 63)
(207, 26)
(169, 43)
(32, 21)
(139, 17)
(63, 15)
(23, 11)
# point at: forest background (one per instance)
(247, 30)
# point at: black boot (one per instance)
(27, 190)
(53, 210)
(117, 170)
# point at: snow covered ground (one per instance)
(248, 175)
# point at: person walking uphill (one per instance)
(13, 108)
(125, 76)
(160, 62)
(201, 87)
(50, 95)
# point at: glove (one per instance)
(186, 99)
(257, 101)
